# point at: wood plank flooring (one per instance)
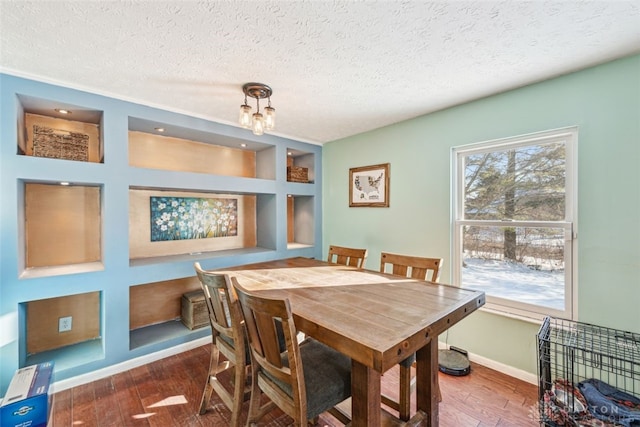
(167, 393)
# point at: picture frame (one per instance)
(369, 186)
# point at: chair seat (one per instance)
(327, 377)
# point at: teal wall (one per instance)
(603, 101)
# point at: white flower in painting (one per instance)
(170, 223)
(190, 224)
(226, 223)
(200, 230)
(224, 229)
(181, 223)
(174, 204)
(219, 221)
(232, 217)
(174, 214)
(185, 216)
(163, 228)
(161, 206)
(215, 210)
(218, 203)
(181, 209)
(232, 205)
(224, 216)
(158, 221)
(205, 203)
(166, 216)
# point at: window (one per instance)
(514, 227)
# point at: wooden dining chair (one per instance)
(420, 268)
(227, 337)
(305, 380)
(347, 256)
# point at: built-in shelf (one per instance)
(62, 228)
(300, 166)
(162, 332)
(46, 340)
(58, 130)
(82, 194)
(300, 221)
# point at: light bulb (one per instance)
(270, 118)
(258, 124)
(245, 116)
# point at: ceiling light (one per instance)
(63, 111)
(257, 122)
(159, 129)
(243, 145)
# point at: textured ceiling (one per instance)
(336, 68)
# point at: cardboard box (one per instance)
(28, 402)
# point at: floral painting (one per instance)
(182, 218)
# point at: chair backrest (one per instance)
(281, 372)
(347, 256)
(412, 266)
(225, 316)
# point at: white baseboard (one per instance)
(500, 367)
(126, 365)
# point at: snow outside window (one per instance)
(515, 209)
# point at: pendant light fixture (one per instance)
(257, 122)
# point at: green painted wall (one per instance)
(603, 101)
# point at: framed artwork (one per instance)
(180, 218)
(369, 186)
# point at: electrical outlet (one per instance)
(64, 324)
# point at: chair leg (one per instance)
(208, 387)
(238, 394)
(404, 402)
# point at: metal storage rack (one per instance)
(569, 353)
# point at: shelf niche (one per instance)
(300, 220)
(63, 227)
(155, 311)
(300, 166)
(81, 344)
(45, 131)
(155, 145)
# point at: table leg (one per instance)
(427, 381)
(365, 396)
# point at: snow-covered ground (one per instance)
(515, 281)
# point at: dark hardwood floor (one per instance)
(167, 393)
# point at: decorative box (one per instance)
(297, 174)
(194, 310)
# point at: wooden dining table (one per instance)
(376, 319)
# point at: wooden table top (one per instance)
(376, 319)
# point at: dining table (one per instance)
(376, 319)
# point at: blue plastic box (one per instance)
(27, 402)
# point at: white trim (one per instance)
(569, 137)
(520, 374)
(126, 365)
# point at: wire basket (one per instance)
(579, 365)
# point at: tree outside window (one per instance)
(514, 205)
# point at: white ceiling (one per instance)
(337, 68)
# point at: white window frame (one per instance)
(504, 306)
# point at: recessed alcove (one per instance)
(300, 221)
(156, 145)
(62, 225)
(78, 344)
(300, 166)
(59, 130)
